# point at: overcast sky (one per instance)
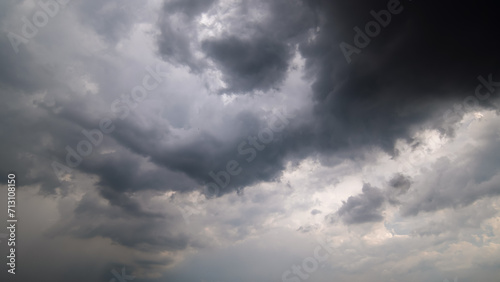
(251, 140)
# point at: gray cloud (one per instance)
(257, 57)
(257, 64)
(363, 208)
(111, 20)
(125, 224)
(398, 185)
(315, 212)
(248, 64)
(190, 7)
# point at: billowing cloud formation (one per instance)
(249, 65)
(248, 52)
(175, 135)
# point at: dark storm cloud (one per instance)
(424, 61)
(427, 57)
(248, 64)
(175, 42)
(140, 160)
(363, 208)
(127, 167)
(404, 80)
(256, 64)
(378, 98)
(120, 169)
(36, 86)
(122, 173)
(175, 46)
(208, 152)
(25, 128)
(18, 73)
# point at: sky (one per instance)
(251, 140)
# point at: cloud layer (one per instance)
(217, 140)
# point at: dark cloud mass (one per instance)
(370, 123)
(428, 57)
(426, 60)
(256, 64)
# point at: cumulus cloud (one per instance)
(258, 135)
(363, 208)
